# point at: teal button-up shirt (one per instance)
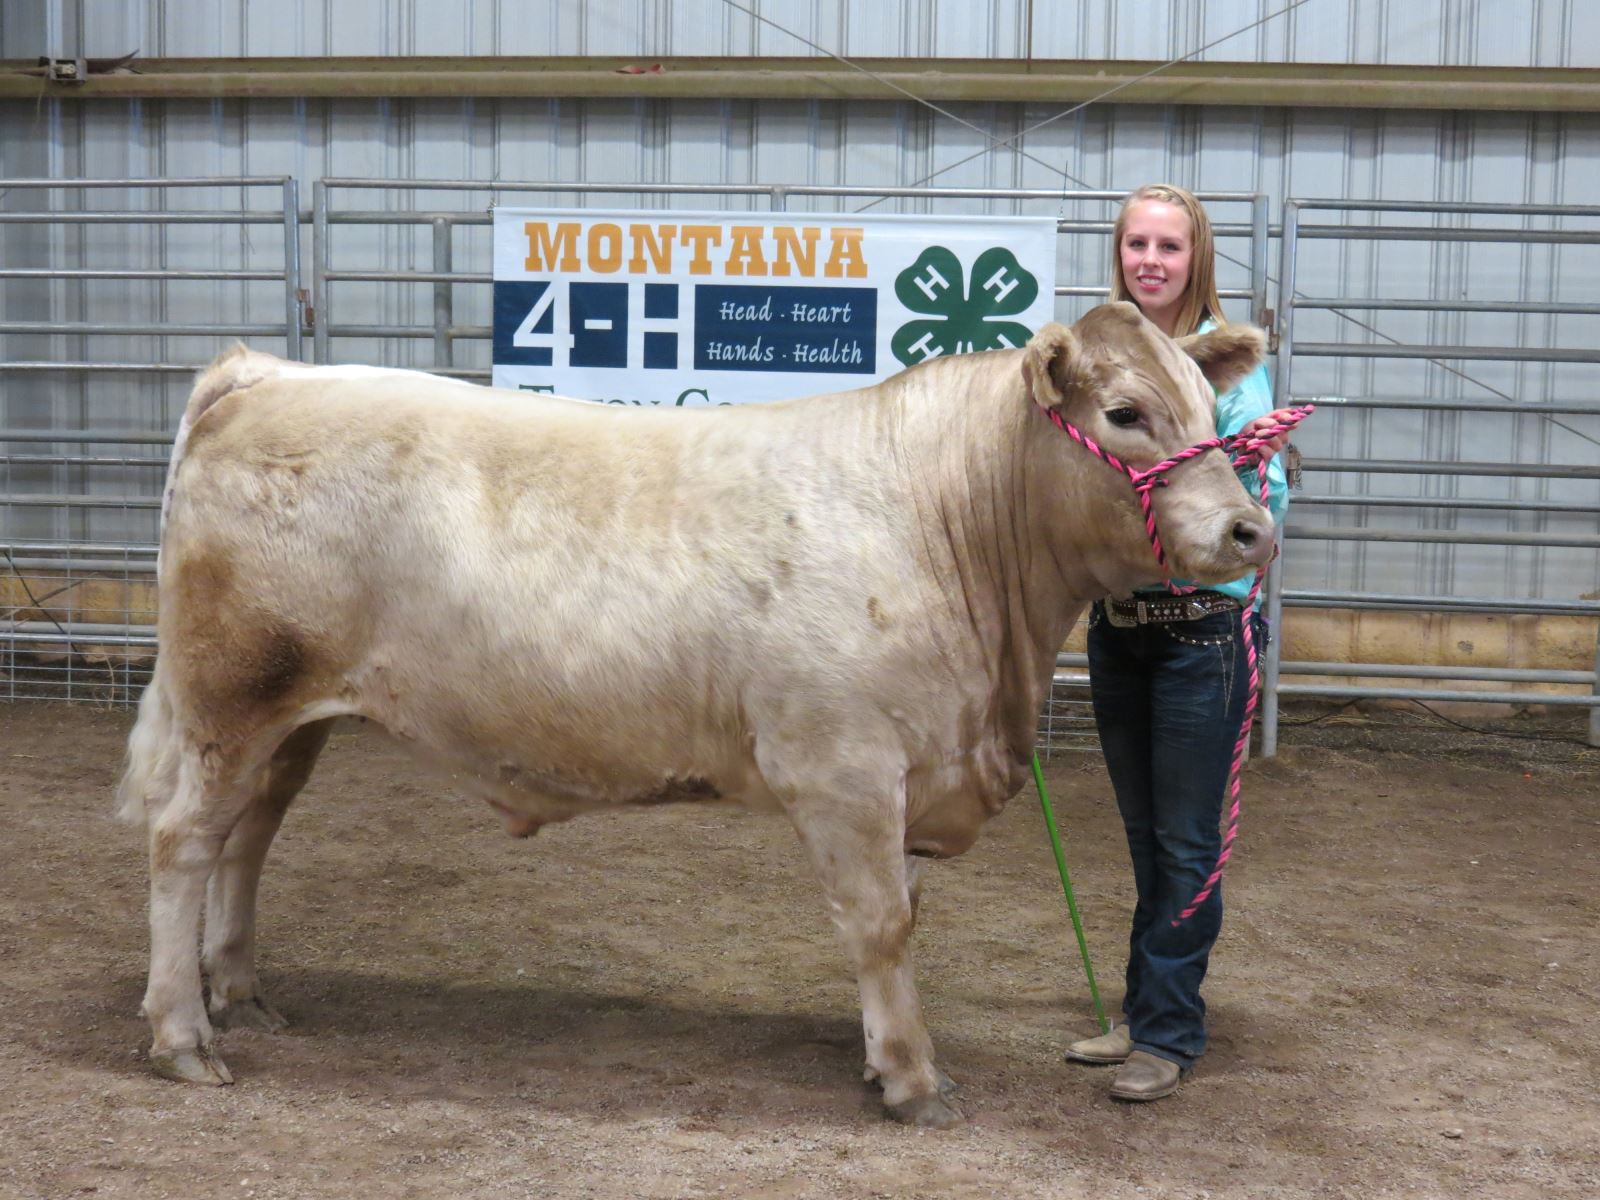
(1236, 408)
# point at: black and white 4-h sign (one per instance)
(725, 308)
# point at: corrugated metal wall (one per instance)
(1532, 33)
(1419, 155)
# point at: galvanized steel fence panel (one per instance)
(1389, 480)
(115, 291)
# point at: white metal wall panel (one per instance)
(1515, 33)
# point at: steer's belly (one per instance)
(540, 763)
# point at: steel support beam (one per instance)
(1031, 81)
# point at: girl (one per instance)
(1169, 684)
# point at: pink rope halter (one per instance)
(1245, 449)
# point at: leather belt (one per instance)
(1163, 610)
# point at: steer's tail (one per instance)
(151, 767)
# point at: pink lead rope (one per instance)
(1244, 449)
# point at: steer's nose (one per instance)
(1254, 541)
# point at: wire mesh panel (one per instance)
(1066, 723)
(115, 292)
(79, 623)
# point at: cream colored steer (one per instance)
(855, 606)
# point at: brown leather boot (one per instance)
(1111, 1047)
(1146, 1076)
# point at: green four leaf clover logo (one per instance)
(962, 319)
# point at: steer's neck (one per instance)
(994, 505)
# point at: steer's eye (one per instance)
(1123, 416)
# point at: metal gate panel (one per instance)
(117, 290)
(1486, 342)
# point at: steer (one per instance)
(855, 606)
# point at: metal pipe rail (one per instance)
(86, 559)
(419, 216)
(78, 460)
(454, 332)
(779, 190)
(1393, 403)
(1450, 353)
(42, 328)
(1418, 671)
(724, 79)
(100, 635)
(1373, 466)
(84, 566)
(481, 277)
(105, 368)
(72, 500)
(1450, 537)
(37, 547)
(1371, 233)
(123, 437)
(1335, 691)
(140, 273)
(141, 217)
(1452, 208)
(1460, 502)
(1455, 306)
(1401, 671)
(1398, 601)
(166, 181)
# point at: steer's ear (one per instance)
(1052, 365)
(1226, 354)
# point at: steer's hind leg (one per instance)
(860, 859)
(229, 954)
(186, 839)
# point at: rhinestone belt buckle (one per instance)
(1117, 618)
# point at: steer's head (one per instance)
(1144, 397)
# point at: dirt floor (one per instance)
(651, 1003)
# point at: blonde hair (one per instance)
(1200, 299)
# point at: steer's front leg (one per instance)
(858, 851)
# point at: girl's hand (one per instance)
(1260, 425)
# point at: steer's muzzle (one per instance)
(1212, 544)
(1253, 540)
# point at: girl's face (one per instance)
(1157, 247)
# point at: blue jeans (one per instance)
(1168, 701)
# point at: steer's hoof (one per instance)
(254, 1013)
(192, 1064)
(947, 1087)
(927, 1112)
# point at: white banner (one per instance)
(683, 308)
